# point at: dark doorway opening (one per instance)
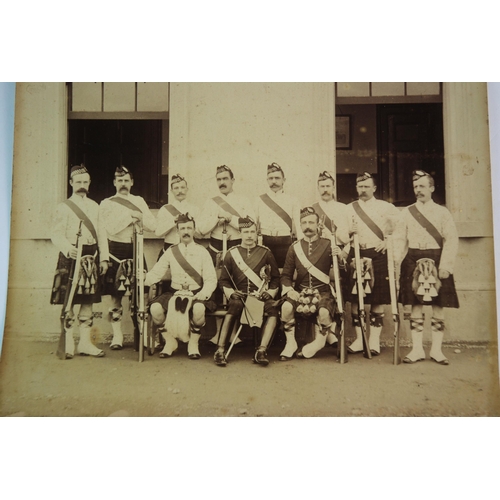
(103, 145)
(409, 137)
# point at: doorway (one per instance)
(103, 145)
(409, 137)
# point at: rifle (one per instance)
(137, 302)
(361, 301)
(396, 359)
(70, 293)
(341, 349)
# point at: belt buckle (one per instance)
(422, 246)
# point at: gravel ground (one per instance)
(34, 382)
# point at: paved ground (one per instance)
(34, 382)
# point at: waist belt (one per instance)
(178, 286)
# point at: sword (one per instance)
(361, 301)
(341, 350)
(396, 359)
(139, 302)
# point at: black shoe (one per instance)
(260, 357)
(300, 355)
(220, 358)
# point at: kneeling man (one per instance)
(193, 283)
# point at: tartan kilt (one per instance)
(380, 293)
(120, 251)
(61, 279)
(447, 295)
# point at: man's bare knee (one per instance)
(157, 313)
(324, 316)
(198, 314)
(286, 311)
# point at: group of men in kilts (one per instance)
(279, 254)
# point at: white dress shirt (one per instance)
(66, 222)
(410, 234)
(271, 224)
(165, 221)
(337, 212)
(385, 215)
(209, 217)
(198, 257)
(117, 219)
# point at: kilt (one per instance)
(447, 296)
(235, 307)
(326, 300)
(279, 246)
(120, 251)
(61, 280)
(164, 298)
(380, 293)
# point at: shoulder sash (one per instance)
(426, 224)
(310, 267)
(326, 220)
(181, 260)
(83, 217)
(225, 206)
(366, 219)
(277, 209)
(125, 203)
(172, 210)
(244, 268)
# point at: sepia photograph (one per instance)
(251, 250)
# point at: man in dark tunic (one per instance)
(248, 269)
(311, 258)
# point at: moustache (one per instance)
(308, 231)
(185, 235)
(222, 186)
(82, 190)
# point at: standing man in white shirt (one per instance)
(118, 215)
(332, 214)
(278, 215)
(334, 223)
(223, 212)
(178, 204)
(428, 236)
(372, 219)
(94, 262)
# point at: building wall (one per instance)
(245, 126)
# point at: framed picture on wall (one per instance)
(343, 131)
